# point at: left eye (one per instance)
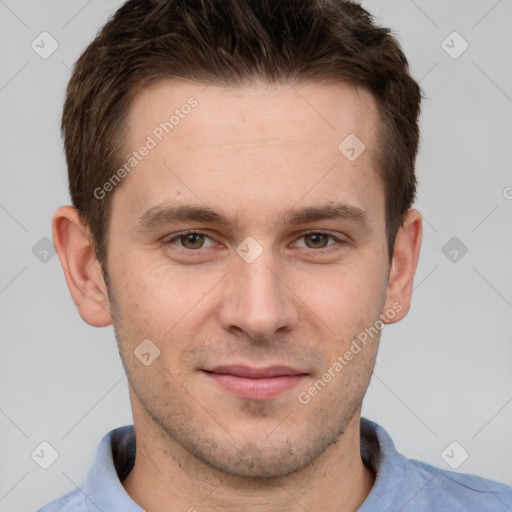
(192, 241)
(316, 240)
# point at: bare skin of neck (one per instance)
(166, 477)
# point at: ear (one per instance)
(81, 268)
(403, 266)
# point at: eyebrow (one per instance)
(336, 211)
(159, 216)
(163, 215)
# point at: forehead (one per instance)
(272, 144)
(305, 111)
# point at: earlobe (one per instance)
(403, 266)
(81, 268)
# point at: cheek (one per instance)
(142, 284)
(351, 294)
(158, 302)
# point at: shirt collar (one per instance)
(379, 453)
(115, 458)
(113, 461)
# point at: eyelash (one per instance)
(333, 246)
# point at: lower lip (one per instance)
(256, 389)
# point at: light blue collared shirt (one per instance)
(401, 484)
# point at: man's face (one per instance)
(235, 248)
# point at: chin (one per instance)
(262, 457)
(254, 462)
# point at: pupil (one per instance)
(193, 240)
(317, 240)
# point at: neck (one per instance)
(165, 476)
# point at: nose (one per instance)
(257, 301)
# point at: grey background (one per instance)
(443, 374)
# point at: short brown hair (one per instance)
(233, 42)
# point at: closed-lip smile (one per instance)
(255, 383)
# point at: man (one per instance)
(242, 176)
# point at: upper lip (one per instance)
(255, 373)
